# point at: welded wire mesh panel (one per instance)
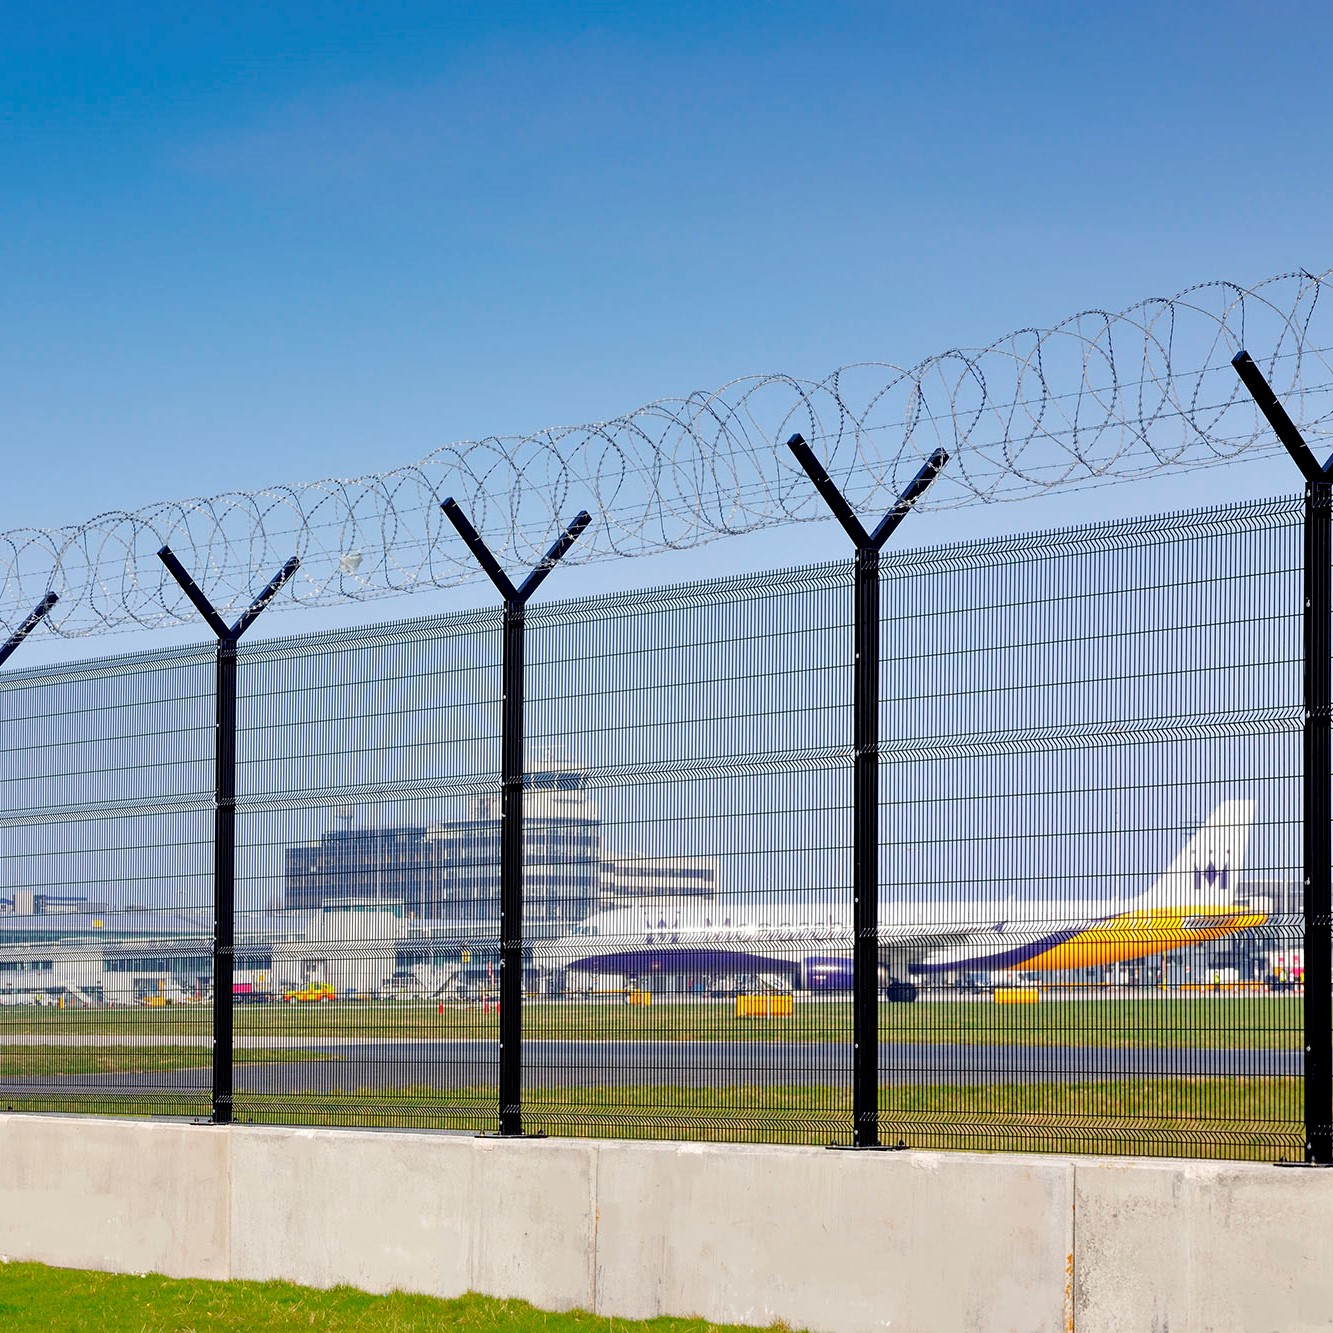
(367, 909)
(1091, 857)
(1089, 906)
(1090, 896)
(106, 836)
(687, 827)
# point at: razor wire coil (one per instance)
(1099, 397)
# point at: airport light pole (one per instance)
(865, 778)
(511, 797)
(224, 820)
(1316, 779)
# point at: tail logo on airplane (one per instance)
(1212, 876)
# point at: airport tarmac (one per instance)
(387, 1065)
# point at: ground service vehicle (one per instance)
(313, 992)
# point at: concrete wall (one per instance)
(836, 1241)
(126, 1197)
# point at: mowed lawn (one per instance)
(1221, 1021)
(1258, 1119)
(1237, 1116)
(1234, 1117)
(33, 1296)
(69, 1061)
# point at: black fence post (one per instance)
(34, 619)
(1316, 779)
(865, 777)
(224, 820)
(511, 797)
(1318, 851)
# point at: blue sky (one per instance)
(251, 244)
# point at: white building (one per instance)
(631, 878)
(351, 946)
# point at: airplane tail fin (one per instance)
(1204, 876)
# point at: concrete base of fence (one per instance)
(836, 1241)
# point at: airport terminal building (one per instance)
(407, 910)
(146, 956)
(450, 870)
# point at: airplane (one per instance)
(810, 941)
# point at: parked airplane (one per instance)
(1193, 901)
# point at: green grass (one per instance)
(1258, 1118)
(1234, 1118)
(1247, 1118)
(1243, 1022)
(36, 1297)
(52, 1061)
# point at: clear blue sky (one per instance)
(248, 244)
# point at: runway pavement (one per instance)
(388, 1065)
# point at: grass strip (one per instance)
(33, 1296)
(1231, 1118)
(1221, 1021)
(55, 1061)
(1242, 1118)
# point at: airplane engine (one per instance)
(826, 974)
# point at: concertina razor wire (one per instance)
(1099, 397)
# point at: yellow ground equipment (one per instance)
(311, 993)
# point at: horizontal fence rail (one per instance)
(1090, 917)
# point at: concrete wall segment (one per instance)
(380, 1211)
(122, 1196)
(852, 1243)
(1202, 1247)
(534, 1221)
(835, 1242)
(434, 1213)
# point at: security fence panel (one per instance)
(367, 910)
(1092, 859)
(1091, 825)
(105, 888)
(688, 884)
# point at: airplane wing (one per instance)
(925, 950)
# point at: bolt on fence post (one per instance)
(224, 820)
(511, 797)
(865, 777)
(1317, 850)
